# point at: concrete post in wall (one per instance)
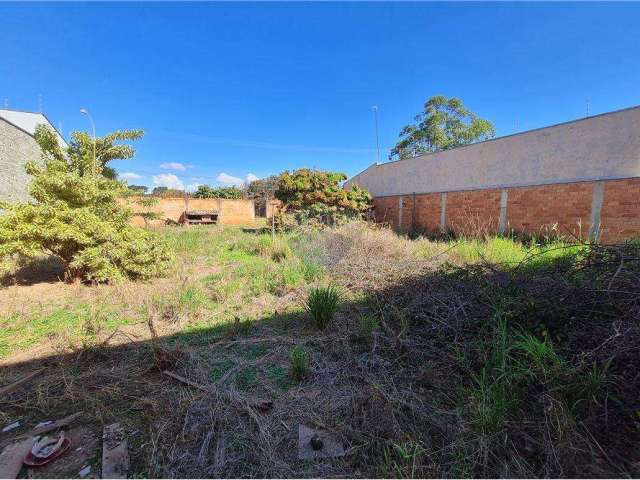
(443, 212)
(596, 207)
(502, 222)
(413, 214)
(400, 206)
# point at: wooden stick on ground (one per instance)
(13, 386)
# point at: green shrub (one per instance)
(313, 194)
(323, 303)
(76, 216)
(300, 363)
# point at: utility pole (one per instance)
(375, 115)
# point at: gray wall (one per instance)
(600, 147)
(16, 148)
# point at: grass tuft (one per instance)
(300, 363)
(323, 303)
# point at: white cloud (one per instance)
(174, 166)
(129, 176)
(252, 178)
(168, 180)
(227, 179)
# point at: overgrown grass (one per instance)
(77, 325)
(507, 251)
(474, 358)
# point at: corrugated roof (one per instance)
(28, 121)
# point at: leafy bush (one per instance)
(300, 363)
(323, 303)
(76, 215)
(311, 194)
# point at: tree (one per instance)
(81, 145)
(166, 192)
(263, 190)
(316, 194)
(205, 191)
(76, 216)
(445, 123)
(137, 189)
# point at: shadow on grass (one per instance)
(38, 270)
(401, 392)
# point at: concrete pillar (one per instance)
(596, 207)
(443, 211)
(413, 214)
(400, 205)
(502, 222)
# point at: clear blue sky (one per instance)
(256, 88)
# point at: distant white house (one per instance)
(17, 147)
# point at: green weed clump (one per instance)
(518, 368)
(280, 251)
(367, 325)
(300, 363)
(323, 303)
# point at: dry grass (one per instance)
(447, 359)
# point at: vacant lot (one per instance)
(452, 358)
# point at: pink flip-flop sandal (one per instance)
(46, 449)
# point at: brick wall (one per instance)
(428, 212)
(620, 212)
(473, 212)
(564, 209)
(386, 210)
(231, 212)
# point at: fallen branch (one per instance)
(10, 388)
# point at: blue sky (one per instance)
(256, 88)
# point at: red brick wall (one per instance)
(560, 209)
(474, 212)
(535, 210)
(620, 214)
(386, 210)
(407, 213)
(428, 212)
